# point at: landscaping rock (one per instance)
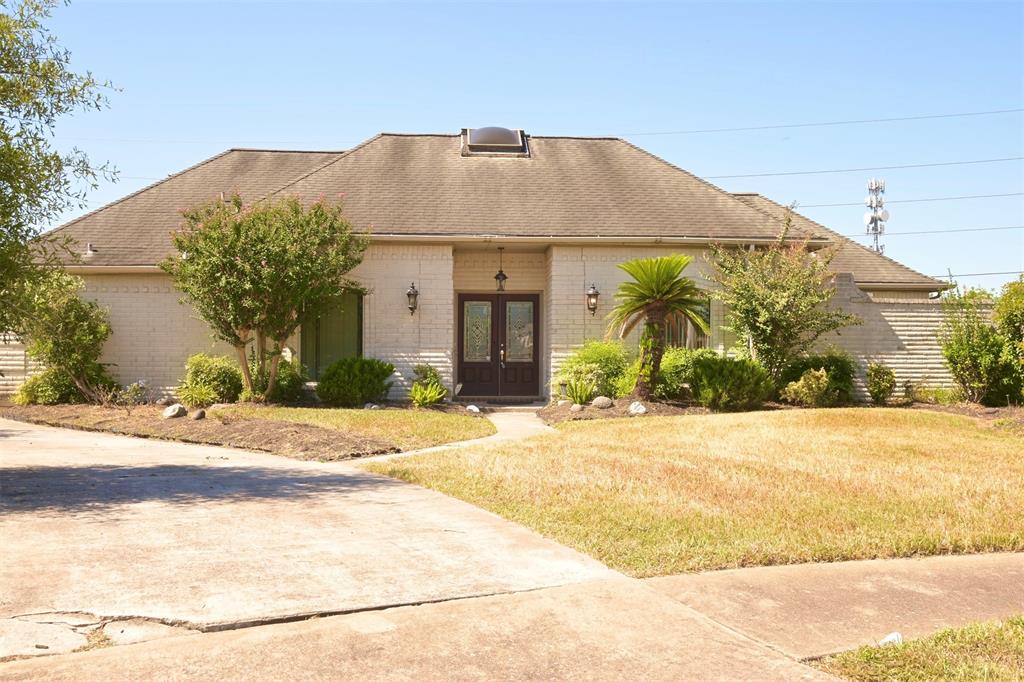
(371, 406)
(602, 402)
(198, 414)
(891, 639)
(174, 411)
(563, 403)
(472, 408)
(576, 408)
(163, 402)
(636, 408)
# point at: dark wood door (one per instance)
(499, 344)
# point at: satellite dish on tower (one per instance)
(884, 215)
(869, 218)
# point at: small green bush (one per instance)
(983, 361)
(209, 379)
(580, 389)
(813, 389)
(881, 383)
(353, 382)
(604, 362)
(721, 383)
(839, 366)
(427, 393)
(49, 387)
(290, 386)
(427, 388)
(675, 375)
(935, 396)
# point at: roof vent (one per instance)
(494, 141)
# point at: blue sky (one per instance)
(196, 78)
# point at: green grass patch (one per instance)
(664, 495)
(409, 429)
(983, 651)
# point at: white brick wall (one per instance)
(389, 332)
(153, 334)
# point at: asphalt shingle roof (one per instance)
(397, 184)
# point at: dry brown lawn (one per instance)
(656, 496)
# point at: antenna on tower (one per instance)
(874, 219)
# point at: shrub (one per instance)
(935, 396)
(580, 389)
(427, 388)
(881, 383)
(604, 362)
(427, 393)
(839, 367)
(813, 389)
(49, 387)
(730, 384)
(209, 379)
(353, 382)
(676, 373)
(982, 361)
(290, 386)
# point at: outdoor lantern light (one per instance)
(592, 295)
(412, 294)
(501, 277)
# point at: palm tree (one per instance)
(656, 291)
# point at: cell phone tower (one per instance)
(874, 219)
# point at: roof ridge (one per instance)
(322, 166)
(139, 191)
(287, 151)
(846, 240)
(709, 184)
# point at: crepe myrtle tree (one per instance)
(778, 297)
(253, 272)
(656, 291)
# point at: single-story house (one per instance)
(446, 213)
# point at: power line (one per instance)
(958, 229)
(828, 123)
(978, 274)
(912, 201)
(870, 168)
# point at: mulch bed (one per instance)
(553, 413)
(300, 441)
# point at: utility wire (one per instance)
(959, 229)
(977, 274)
(869, 168)
(914, 201)
(829, 123)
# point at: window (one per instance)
(682, 333)
(494, 141)
(336, 334)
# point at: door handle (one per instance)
(501, 355)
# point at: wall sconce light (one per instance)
(412, 294)
(592, 296)
(501, 277)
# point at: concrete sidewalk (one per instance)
(809, 610)
(616, 629)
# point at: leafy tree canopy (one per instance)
(37, 181)
(777, 298)
(253, 272)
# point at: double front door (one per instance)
(499, 344)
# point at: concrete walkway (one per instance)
(810, 610)
(511, 425)
(615, 629)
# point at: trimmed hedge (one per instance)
(722, 383)
(839, 366)
(209, 379)
(675, 374)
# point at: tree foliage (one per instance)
(67, 333)
(37, 181)
(778, 298)
(657, 289)
(253, 272)
(982, 361)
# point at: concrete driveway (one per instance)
(115, 527)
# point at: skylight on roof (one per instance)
(494, 141)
